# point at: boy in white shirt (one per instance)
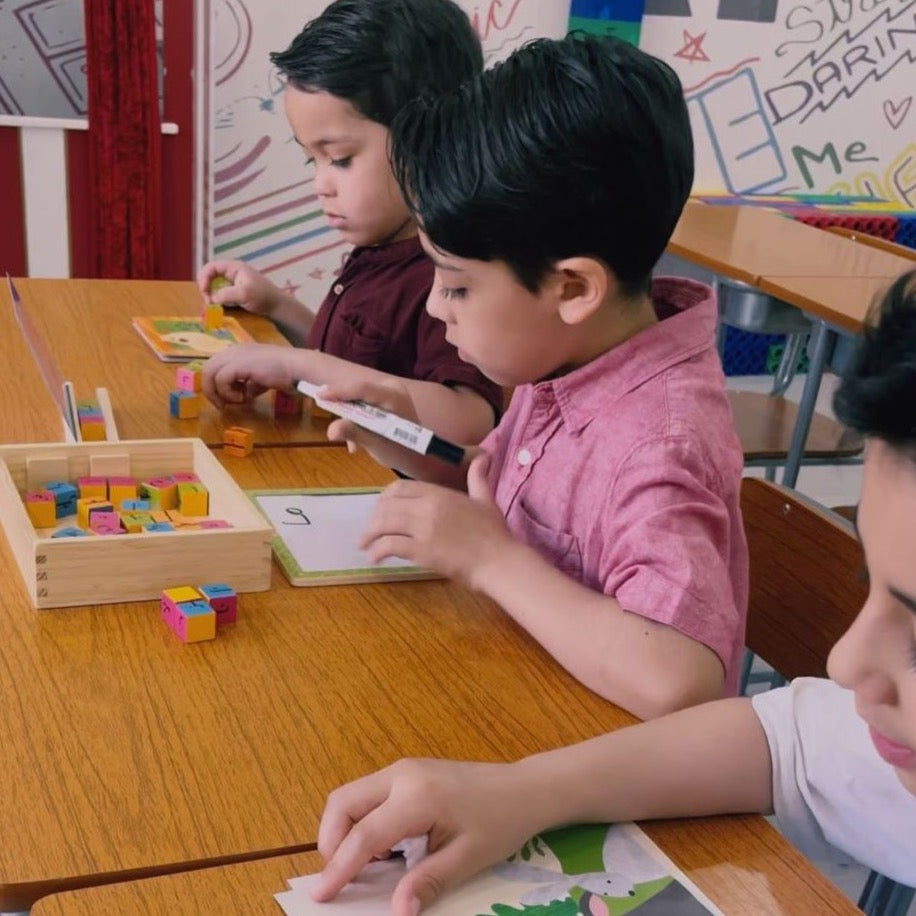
(835, 760)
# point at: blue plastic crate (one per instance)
(745, 353)
(906, 231)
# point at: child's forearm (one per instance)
(710, 759)
(648, 668)
(458, 414)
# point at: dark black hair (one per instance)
(573, 147)
(877, 395)
(381, 54)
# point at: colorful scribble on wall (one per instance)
(796, 97)
(264, 209)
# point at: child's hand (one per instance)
(474, 814)
(239, 374)
(247, 287)
(389, 395)
(453, 533)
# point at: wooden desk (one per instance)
(87, 326)
(842, 302)
(769, 879)
(126, 749)
(29, 414)
(746, 243)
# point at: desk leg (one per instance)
(821, 339)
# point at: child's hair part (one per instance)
(580, 146)
(381, 54)
(877, 395)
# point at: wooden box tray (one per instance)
(63, 572)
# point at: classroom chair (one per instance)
(764, 422)
(806, 587)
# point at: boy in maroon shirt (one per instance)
(348, 74)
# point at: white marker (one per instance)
(396, 429)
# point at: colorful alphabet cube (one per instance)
(184, 405)
(238, 441)
(212, 317)
(41, 508)
(193, 499)
(223, 600)
(122, 489)
(71, 531)
(161, 492)
(91, 422)
(92, 487)
(287, 404)
(188, 614)
(65, 496)
(188, 376)
(85, 508)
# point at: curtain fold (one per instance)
(125, 139)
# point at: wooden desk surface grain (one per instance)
(840, 301)
(130, 754)
(126, 749)
(746, 243)
(87, 327)
(765, 878)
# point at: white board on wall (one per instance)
(263, 209)
(795, 96)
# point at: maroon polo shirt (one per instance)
(375, 315)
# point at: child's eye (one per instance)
(452, 292)
(310, 160)
(912, 654)
(342, 163)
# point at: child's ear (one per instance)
(582, 285)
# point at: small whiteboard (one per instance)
(317, 535)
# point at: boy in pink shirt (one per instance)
(603, 512)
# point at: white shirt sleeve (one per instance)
(830, 787)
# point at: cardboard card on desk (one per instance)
(178, 339)
(317, 535)
(592, 869)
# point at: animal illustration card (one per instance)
(593, 870)
(181, 338)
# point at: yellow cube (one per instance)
(211, 317)
(193, 499)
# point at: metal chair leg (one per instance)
(883, 897)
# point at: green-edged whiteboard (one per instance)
(317, 532)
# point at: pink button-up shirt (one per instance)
(625, 473)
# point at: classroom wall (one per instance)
(796, 95)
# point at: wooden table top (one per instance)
(126, 749)
(87, 327)
(29, 412)
(746, 243)
(765, 878)
(840, 301)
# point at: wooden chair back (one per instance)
(806, 578)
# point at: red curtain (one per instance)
(125, 140)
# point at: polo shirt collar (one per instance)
(687, 330)
(391, 253)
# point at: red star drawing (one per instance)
(316, 274)
(290, 287)
(693, 47)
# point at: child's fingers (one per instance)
(370, 837)
(427, 880)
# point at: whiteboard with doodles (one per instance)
(317, 536)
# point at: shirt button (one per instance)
(524, 457)
(338, 288)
